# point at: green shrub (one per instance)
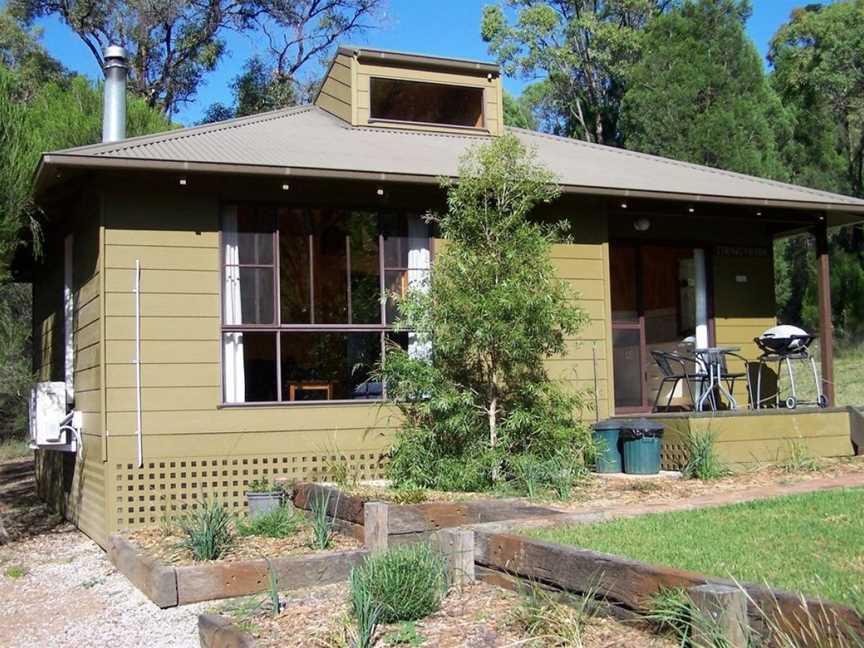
(703, 462)
(208, 531)
(407, 583)
(322, 524)
(278, 523)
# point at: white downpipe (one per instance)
(137, 291)
(701, 279)
(69, 318)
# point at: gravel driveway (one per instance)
(71, 595)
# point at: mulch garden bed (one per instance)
(475, 615)
(161, 544)
(600, 493)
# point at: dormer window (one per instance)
(420, 102)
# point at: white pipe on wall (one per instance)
(701, 276)
(137, 291)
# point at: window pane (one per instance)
(329, 365)
(256, 296)
(294, 267)
(255, 235)
(625, 283)
(627, 364)
(434, 103)
(365, 268)
(249, 367)
(330, 254)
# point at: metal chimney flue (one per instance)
(114, 97)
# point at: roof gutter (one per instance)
(64, 161)
(402, 58)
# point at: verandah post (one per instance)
(826, 327)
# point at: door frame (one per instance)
(639, 323)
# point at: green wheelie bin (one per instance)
(607, 436)
(641, 441)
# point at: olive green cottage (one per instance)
(209, 305)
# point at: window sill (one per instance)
(310, 403)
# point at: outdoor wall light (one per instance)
(380, 191)
(286, 187)
(624, 205)
(641, 224)
(183, 182)
(691, 209)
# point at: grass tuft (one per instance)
(366, 611)
(16, 571)
(551, 621)
(798, 458)
(14, 448)
(407, 583)
(278, 523)
(208, 531)
(322, 524)
(703, 462)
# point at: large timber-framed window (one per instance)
(303, 313)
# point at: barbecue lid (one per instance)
(785, 331)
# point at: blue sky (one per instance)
(442, 27)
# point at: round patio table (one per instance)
(714, 361)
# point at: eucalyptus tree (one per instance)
(579, 50)
(700, 93)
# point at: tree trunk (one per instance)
(493, 422)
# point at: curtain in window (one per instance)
(235, 378)
(419, 257)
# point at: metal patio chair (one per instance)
(674, 369)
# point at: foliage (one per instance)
(366, 611)
(406, 583)
(262, 485)
(21, 51)
(533, 475)
(672, 611)
(702, 460)
(740, 541)
(273, 589)
(257, 89)
(16, 571)
(16, 373)
(699, 93)
(517, 113)
(207, 532)
(171, 45)
(492, 313)
(278, 523)
(60, 114)
(798, 458)
(405, 635)
(818, 58)
(555, 622)
(583, 49)
(322, 524)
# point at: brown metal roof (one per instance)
(306, 141)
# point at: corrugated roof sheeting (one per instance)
(309, 138)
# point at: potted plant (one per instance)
(263, 496)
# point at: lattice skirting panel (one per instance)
(673, 454)
(168, 488)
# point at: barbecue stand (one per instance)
(788, 350)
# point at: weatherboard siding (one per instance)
(76, 485)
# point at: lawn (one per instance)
(812, 543)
